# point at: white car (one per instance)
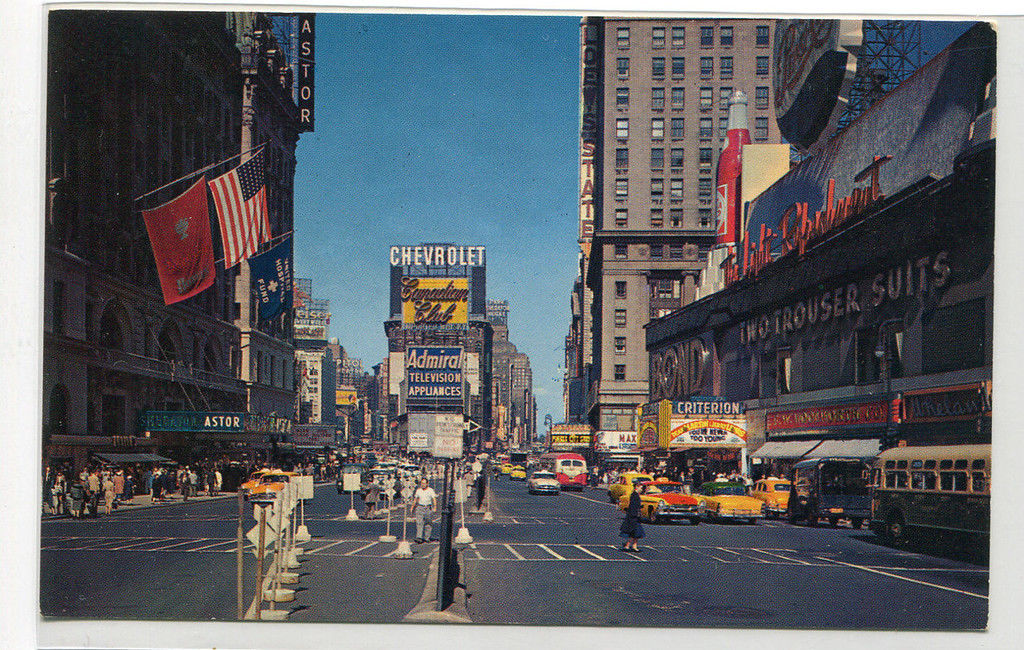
(543, 483)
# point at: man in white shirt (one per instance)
(424, 506)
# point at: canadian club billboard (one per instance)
(434, 375)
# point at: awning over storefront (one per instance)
(858, 448)
(785, 448)
(117, 459)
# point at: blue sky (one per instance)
(444, 128)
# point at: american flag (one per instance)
(241, 199)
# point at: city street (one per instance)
(177, 562)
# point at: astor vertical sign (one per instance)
(304, 101)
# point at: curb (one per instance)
(425, 611)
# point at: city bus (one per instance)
(570, 469)
(920, 492)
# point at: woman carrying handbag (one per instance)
(631, 528)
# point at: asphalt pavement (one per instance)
(543, 560)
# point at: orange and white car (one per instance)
(253, 481)
(774, 492)
(271, 484)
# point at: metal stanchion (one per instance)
(445, 545)
(238, 561)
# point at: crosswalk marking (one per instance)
(362, 548)
(317, 550)
(588, 552)
(513, 552)
(557, 556)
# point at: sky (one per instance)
(435, 128)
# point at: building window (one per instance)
(762, 66)
(707, 36)
(622, 157)
(622, 97)
(620, 318)
(678, 98)
(761, 128)
(725, 67)
(620, 372)
(657, 158)
(675, 187)
(657, 128)
(622, 128)
(707, 67)
(620, 289)
(658, 99)
(658, 66)
(705, 98)
(620, 345)
(621, 187)
(704, 187)
(665, 289)
(679, 37)
(657, 38)
(725, 36)
(785, 371)
(761, 97)
(622, 37)
(704, 155)
(622, 64)
(621, 218)
(678, 127)
(705, 128)
(620, 251)
(677, 157)
(675, 251)
(657, 252)
(723, 127)
(676, 214)
(762, 35)
(678, 67)
(657, 188)
(657, 218)
(724, 93)
(705, 217)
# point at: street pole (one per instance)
(238, 560)
(445, 540)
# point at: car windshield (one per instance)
(275, 478)
(664, 488)
(728, 490)
(543, 475)
(782, 487)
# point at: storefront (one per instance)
(700, 437)
(616, 450)
(200, 436)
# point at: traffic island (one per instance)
(426, 611)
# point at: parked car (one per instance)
(773, 494)
(665, 500)
(725, 500)
(624, 484)
(542, 482)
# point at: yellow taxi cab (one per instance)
(517, 473)
(725, 500)
(505, 468)
(624, 485)
(271, 484)
(253, 481)
(773, 494)
(665, 500)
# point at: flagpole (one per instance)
(270, 244)
(200, 171)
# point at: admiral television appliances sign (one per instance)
(434, 374)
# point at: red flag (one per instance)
(241, 200)
(179, 231)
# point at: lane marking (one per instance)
(513, 552)
(749, 557)
(899, 577)
(362, 548)
(782, 557)
(514, 520)
(150, 540)
(326, 546)
(630, 555)
(580, 496)
(591, 553)
(233, 542)
(188, 541)
(557, 556)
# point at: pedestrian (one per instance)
(184, 483)
(218, 480)
(118, 486)
(94, 493)
(129, 487)
(631, 529)
(108, 493)
(48, 481)
(425, 505)
(78, 496)
(57, 494)
(157, 485)
(370, 499)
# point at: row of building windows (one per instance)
(678, 35)
(678, 97)
(678, 132)
(707, 67)
(657, 220)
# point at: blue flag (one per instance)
(272, 279)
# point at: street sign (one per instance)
(254, 536)
(407, 492)
(350, 482)
(305, 487)
(448, 435)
